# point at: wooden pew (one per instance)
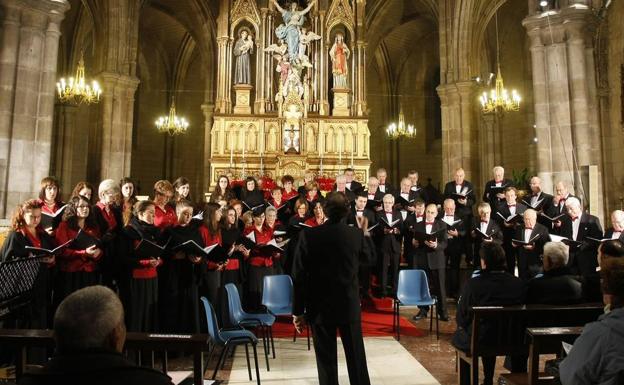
(507, 330)
(22, 339)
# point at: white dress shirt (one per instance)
(575, 227)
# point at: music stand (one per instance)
(17, 278)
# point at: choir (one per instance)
(161, 255)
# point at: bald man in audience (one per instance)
(557, 285)
(616, 231)
(529, 240)
(89, 332)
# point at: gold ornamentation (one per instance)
(245, 9)
(340, 13)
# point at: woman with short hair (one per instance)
(165, 214)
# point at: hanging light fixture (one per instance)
(499, 99)
(75, 90)
(400, 130)
(172, 124)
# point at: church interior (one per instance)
(205, 88)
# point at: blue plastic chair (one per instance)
(262, 321)
(277, 297)
(227, 338)
(413, 290)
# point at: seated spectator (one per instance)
(557, 285)
(493, 286)
(597, 356)
(90, 333)
(613, 248)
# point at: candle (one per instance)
(231, 151)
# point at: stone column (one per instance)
(208, 110)
(117, 115)
(360, 106)
(64, 160)
(564, 96)
(28, 57)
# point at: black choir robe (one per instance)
(529, 261)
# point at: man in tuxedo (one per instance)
(493, 192)
(462, 192)
(486, 230)
(352, 185)
(389, 234)
(535, 235)
(433, 246)
(360, 216)
(506, 209)
(325, 277)
(412, 175)
(413, 258)
(341, 187)
(616, 231)
(562, 194)
(577, 226)
(384, 186)
(405, 196)
(455, 233)
(538, 200)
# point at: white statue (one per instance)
(339, 54)
(305, 38)
(242, 49)
(293, 21)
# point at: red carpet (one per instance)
(376, 322)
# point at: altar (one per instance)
(290, 99)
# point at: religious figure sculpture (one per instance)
(242, 50)
(339, 54)
(291, 142)
(305, 38)
(290, 30)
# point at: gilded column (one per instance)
(324, 48)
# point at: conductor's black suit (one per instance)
(325, 275)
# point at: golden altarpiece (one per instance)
(290, 90)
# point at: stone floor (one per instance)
(437, 357)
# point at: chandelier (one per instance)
(172, 124)
(400, 130)
(499, 99)
(75, 90)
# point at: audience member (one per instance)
(90, 333)
(493, 286)
(597, 356)
(557, 285)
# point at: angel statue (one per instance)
(305, 38)
(242, 49)
(293, 21)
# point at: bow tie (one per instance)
(419, 215)
(574, 218)
(428, 223)
(484, 221)
(382, 184)
(360, 211)
(528, 228)
(514, 205)
(498, 181)
(562, 200)
(388, 212)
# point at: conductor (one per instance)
(326, 289)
